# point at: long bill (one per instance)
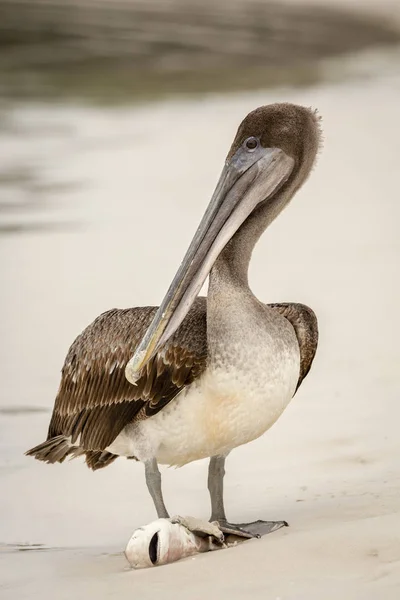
(245, 181)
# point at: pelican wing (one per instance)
(305, 325)
(95, 401)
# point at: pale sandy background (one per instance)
(127, 188)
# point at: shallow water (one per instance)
(136, 50)
(98, 214)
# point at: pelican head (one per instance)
(271, 156)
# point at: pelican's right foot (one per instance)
(201, 528)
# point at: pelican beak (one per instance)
(247, 179)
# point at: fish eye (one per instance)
(251, 143)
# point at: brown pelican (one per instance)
(198, 377)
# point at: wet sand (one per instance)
(107, 233)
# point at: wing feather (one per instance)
(95, 401)
(305, 325)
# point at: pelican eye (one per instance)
(251, 143)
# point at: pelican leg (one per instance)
(216, 473)
(153, 480)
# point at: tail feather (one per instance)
(53, 450)
(57, 448)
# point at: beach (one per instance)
(107, 234)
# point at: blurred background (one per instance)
(126, 51)
(115, 119)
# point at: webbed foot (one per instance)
(255, 529)
(201, 528)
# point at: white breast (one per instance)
(225, 408)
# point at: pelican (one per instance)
(199, 376)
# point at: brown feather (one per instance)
(95, 401)
(305, 325)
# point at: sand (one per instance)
(115, 235)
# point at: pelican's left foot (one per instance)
(255, 529)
